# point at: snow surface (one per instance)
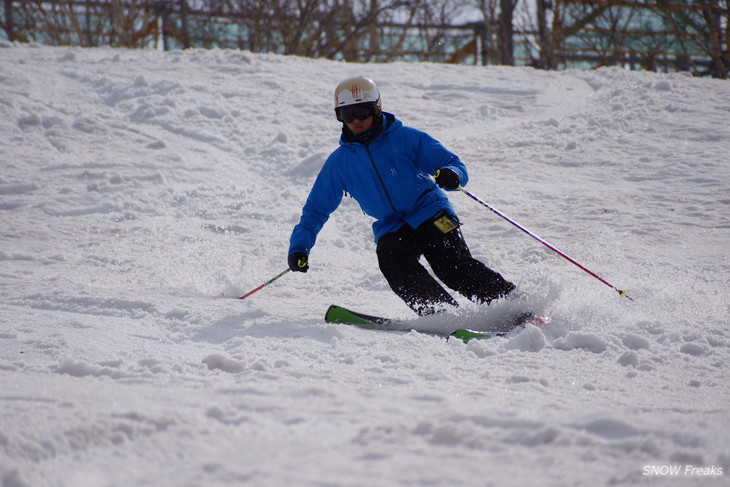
(141, 192)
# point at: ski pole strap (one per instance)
(621, 292)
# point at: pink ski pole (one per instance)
(561, 254)
(264, 284)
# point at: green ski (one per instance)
(338, 314)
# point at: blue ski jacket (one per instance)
(390, 178)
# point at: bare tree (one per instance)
(547, 48)
(669, 34)
(51, 22)
(705, 19)
(492, 47)
(646, 34)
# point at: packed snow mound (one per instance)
(141, 192)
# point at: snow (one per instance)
(141, 192)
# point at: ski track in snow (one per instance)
(141, 192)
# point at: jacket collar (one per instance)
(388, 124)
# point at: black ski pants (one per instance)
(399, 253)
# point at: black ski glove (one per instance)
(447, 178)
(298, 262)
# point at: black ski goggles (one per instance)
(347, 114)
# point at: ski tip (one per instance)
(524, 319)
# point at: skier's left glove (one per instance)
(447, 178)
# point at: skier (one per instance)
(387, 167)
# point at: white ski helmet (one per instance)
(354, 91)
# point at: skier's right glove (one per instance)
(299, 262)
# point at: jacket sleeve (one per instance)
(324, 198)
(434, 156)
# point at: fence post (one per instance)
(184, 24)
(547, 61)
(480, 33)
(506, 48)
(162, 19)
(9, 20)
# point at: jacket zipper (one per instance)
(380, 178)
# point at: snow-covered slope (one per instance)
(141, 192)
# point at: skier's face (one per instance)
(357, 126)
